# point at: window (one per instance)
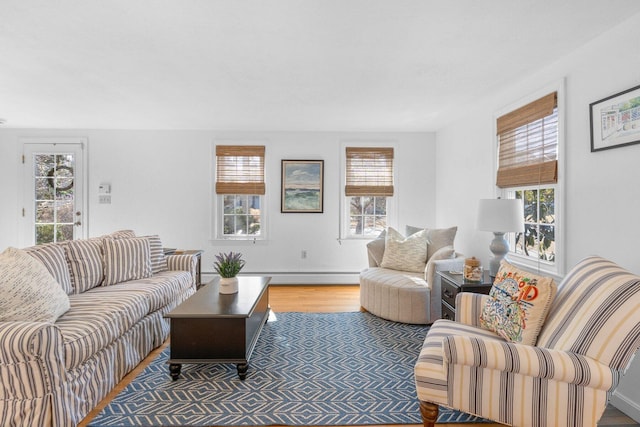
(538, 239)
(240, 187)
(369, 182)
(528, 139)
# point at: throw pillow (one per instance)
(518, 304)
(437, 237)
(122, 234)
(52, 256)
(402, 254)
(85, 263)
(28, 292)
(375, 248)
(126, 259)
(158, 260)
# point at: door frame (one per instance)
(26, 237)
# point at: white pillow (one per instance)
(28, 292)
(402, 254)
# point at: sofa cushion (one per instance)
(96, 319)
(518, 304)
(405, 254)
(160, 289)
(85, 263)
(436, 237)
(29, 292)
(126, 259)
(101, 315)
(54, 259)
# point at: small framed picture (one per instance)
(302, 186)
(615, 120)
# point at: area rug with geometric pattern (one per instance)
(310, 369)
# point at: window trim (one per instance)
(392, 201)
(558, 268)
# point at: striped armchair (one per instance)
(584, 347)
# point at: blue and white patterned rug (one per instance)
(306, 369)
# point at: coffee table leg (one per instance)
(242, 370)
(174, 370)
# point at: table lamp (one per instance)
(500, 216)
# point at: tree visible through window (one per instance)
(54, 197)
(241, 215)
(368, 215)
(538, 239)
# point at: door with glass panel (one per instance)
(53, 205)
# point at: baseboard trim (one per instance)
(626, 405)
(301, 278)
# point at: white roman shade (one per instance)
(369, 171)
(240, 169)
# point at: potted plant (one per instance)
(228, 265)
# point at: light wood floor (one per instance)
(321, 299)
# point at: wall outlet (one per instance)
(303, 254)
(104, 199)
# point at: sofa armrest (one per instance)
(529, 361)
(31, 360)
(469, 307)
(184, 262)
(435, 287)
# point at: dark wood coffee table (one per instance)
(210, 327)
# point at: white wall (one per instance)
(162, 183)
(602, 196)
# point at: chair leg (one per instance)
(429, 412)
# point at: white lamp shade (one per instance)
(501, 215)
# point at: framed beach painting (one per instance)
(615, 120)
(302, 182)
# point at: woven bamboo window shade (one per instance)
(528, 139)
(369, 171)
(240, 169)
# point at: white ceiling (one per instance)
(313, 65)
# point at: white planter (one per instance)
(228, 285)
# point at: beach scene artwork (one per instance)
(302, 185)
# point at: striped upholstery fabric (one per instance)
(158, 261)
(596, 313)
(565, 380)
(183, 262)
(121, 234)
(126, 259)
(53, 257)
(89, 325)
(158, 290)
(55, 374)
(85, 263)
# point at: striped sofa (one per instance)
(586, 343)
(54, 374)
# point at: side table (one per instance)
(452, 284)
